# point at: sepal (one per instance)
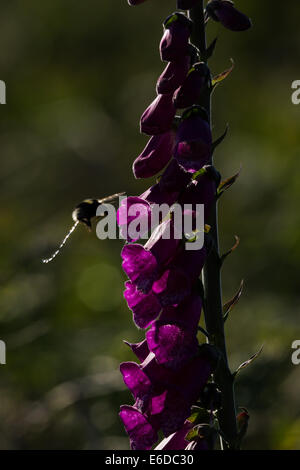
(232, 303)
(226, 184)
(219, 78)
(232, 249)
(248, 362)
(220, 139)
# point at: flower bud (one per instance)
(173, 76)
(155, 155)
(158, 117)
(192, 87)
(225, 12)
(175, 41)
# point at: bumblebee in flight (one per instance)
(84, 213)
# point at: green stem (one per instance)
(213, 310)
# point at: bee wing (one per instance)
(110, 198)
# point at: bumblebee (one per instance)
(87, 209)
(84, 213)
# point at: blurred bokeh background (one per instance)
(78, 76)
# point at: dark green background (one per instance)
(78, 76)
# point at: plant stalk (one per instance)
(213, 309)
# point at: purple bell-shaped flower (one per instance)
(173, 76)
(192, 87)
(158, 117)
(193, 140)
(155, 156)
(174, 44)
(225, 12)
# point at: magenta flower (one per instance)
(140, 265)
(145, 307)
(165, 242)
(174, 178)
(193, 140)
(191, 89)
(144, 264)
(130, 209)
(169, 410)
(225, 12)
(146, 381)
(155, 155)
(141, 434)
(155, 195)
(140, 350)
(202, 191)
(177, 281)
(186, 4)
(174, 44)
(172, 338)
(172, 287)
(162, 397)
(172, 345)
(160, 277)
(158, 117)
(186, 315)
(173, 76)
(138, 383)
(173, 375)
(176, 441)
